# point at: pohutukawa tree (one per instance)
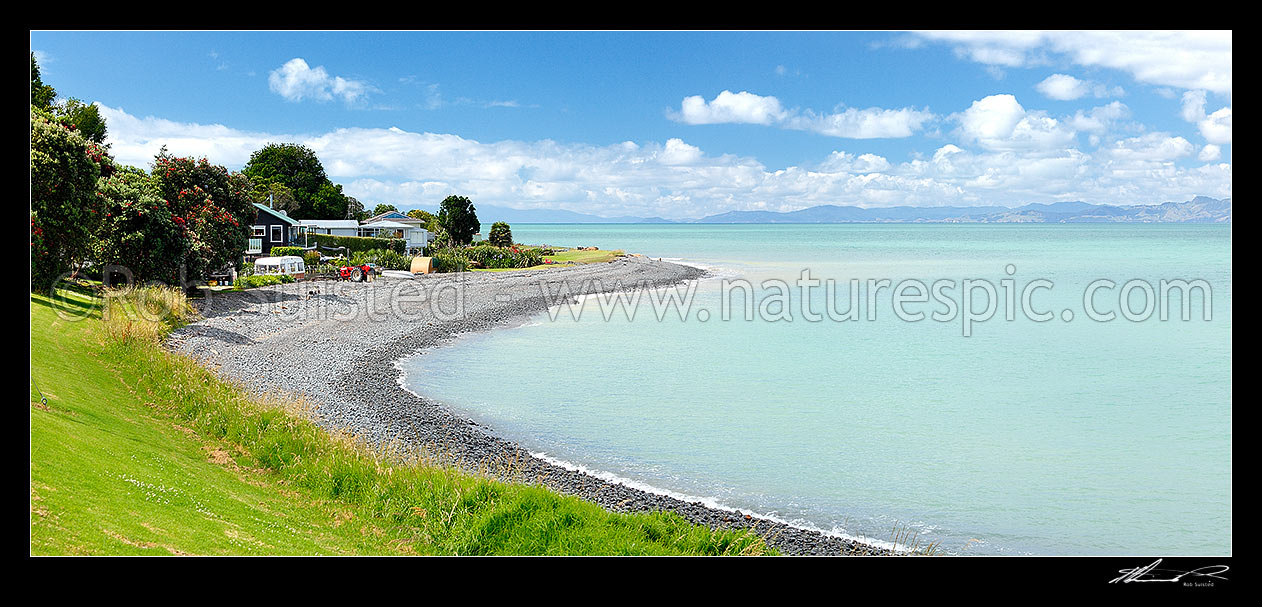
(139, 232)
(213, 207)
(65, 206)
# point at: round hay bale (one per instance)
(422, 265)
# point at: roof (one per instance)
(393, 225)
(330, 223)
(389, 215)
(271, 261)
(281, 215)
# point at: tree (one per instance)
(83, 117)
(328, 203)
(298, 168)
(213, 205)
(72, 113)
(501, 235)
(458, 217)
(276, 195)
(355, 209)
(429, 222)
(42, 95)
(65, 207)
(138, 232)
(383, 208)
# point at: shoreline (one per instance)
(294, 338)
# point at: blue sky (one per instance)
(680, 124)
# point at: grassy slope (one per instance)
(139, 451)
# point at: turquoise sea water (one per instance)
(1026, 436)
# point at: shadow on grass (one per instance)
(69, 308)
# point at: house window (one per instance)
(259, 231)
(276, 234)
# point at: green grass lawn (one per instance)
(564, 258)
(577, 256)
(135, 450)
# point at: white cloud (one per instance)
(1145, 150)
(728, 107)
(999, 122)
(1064, 87)
(1181, 59)
(296, 81)
(1099, 119)
(1215, 127)
(747, 108)
(1193, 106)
(872, 123)
(1210, 153)
(677, 152)
(676, 179)
(993, 117)
(135, 140)
(842, 162)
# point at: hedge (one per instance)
(261, 280)
(284, 251)
(358, 243)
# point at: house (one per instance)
(416, 237)
(271, 228)
(396, 216)
(336, 227)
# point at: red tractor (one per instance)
(361, 273)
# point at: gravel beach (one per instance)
(337, 343)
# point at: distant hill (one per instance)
(1201, 209)
(1198, 210)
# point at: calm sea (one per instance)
(1072, 419)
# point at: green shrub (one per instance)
(261, 280)
(286, 251)
(358, 243)
(501, 235)
(386, 260)
(490, 256)
(389, 260)
(449, 260)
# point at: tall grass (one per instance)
(145, 314)
(910, 542)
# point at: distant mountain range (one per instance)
(1198, 210)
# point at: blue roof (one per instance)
(390, 215)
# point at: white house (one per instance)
(336, 227)
(416, 237)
